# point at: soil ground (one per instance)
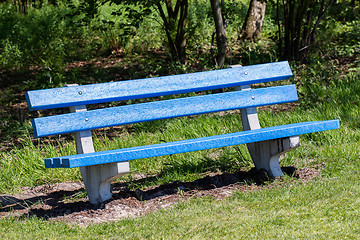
(68, 202)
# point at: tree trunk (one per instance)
(180, 40)
(221, 39)
(251, 28)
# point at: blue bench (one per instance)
(98, 169)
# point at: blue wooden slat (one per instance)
(190, 145)
(159, 86)
(100, 118)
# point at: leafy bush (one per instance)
(36, 39)
(11, 55)
(119, 23)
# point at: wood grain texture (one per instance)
(190, 145)
(100, 118)
(159, 86)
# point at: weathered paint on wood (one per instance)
(159, 86)
(162, 149)
(179, 107)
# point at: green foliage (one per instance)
(200, 24)
(249, 53)
(34, 35)
(119, 23)
(11, 56)
(39, 39)
(51, 36)
(343, 11)
(348, 40)
(323, 84)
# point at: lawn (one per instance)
(322, 204)
(323, 207)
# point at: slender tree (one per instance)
(251, 28)
(174, 15)
(221, 39)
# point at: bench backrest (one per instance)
(160, 86)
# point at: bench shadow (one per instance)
(54, 199)
(55, 204)
(252, 176)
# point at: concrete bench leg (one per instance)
(97, 178)
(266, 154)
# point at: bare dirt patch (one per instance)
(67, 201)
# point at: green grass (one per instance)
(327, 207)
(323, 209)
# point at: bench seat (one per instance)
(162, 149)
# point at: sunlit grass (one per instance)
(326, 207)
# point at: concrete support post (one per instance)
(266, 154)
(97, 178)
